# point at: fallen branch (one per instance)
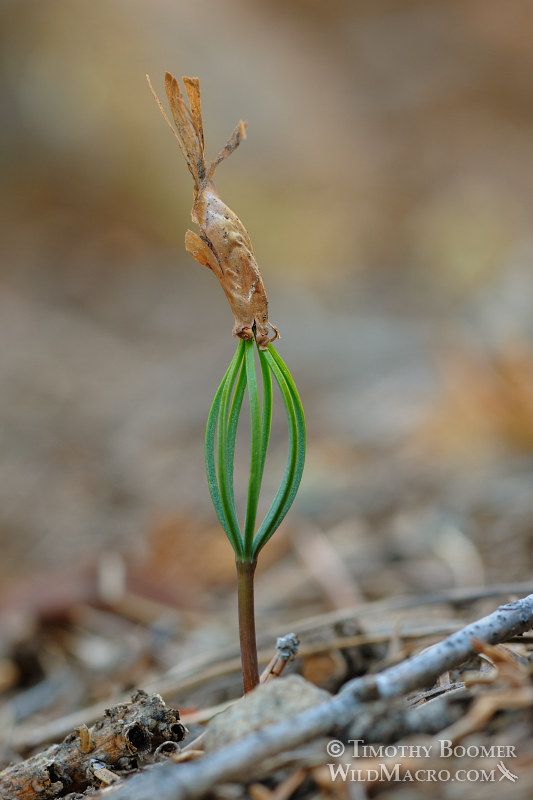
(193, 780)
(123, 739)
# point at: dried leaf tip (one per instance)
(223, 244)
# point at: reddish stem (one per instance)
(245, 594)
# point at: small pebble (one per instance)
(274, 701)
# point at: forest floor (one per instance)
(70, 678)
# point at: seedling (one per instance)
(224, 247)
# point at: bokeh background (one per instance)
(387, 185)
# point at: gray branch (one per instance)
(193, 780)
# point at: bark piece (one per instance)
(125, 738)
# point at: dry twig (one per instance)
(188, 781)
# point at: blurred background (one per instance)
(387, 185)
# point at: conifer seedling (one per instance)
(223, 245)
